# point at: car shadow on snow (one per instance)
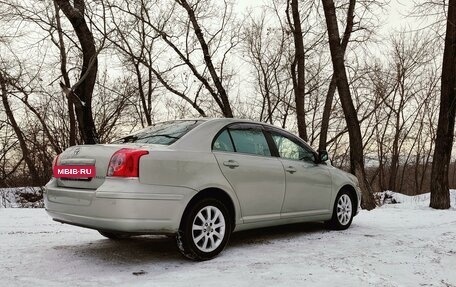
(163, 249)
(268, 235)
(131, 251)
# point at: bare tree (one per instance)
(81, 92)
(356, 144)
(4, 79)
(46, 17)
(440, 194)
(222, 94)
(297, 67)
(333, 85)
(266, 45)
(167, 59)
(60, 43)
(187, 38)
(137, 45)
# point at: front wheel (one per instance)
(205, 230)
(343, 212)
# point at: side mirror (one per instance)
(323, 156)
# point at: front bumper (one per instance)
(119, 205)
(359, 195)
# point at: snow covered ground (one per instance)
(27, 197)
(405, 244)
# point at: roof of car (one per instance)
(200, 138)
(227, 120)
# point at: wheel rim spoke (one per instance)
(201, 217)
(198, 239)
(220, 236)
(197, 227)
(205, 242)
(216, 215)
(211, 239)
(218, 225)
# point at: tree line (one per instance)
(86, 72)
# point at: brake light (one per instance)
(55, 161)
(125, 162)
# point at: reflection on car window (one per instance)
(223, 142)
(251, 141)
(164, 133)
(291, 150)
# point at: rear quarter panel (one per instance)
(191, 169)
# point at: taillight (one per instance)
(125, 162)
(55, 161)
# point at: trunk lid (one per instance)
(98, 155)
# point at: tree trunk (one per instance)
(298, 69)
(327, 114)
(333, 84)
(66, 78)
(354, 131)
(20, 137)
(142, 95)
(83, 90)
(440, 194)
(394, 159)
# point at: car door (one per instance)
(308, 184)
(258, 178)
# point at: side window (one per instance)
(291, 150)
(223, 142)
(250, 140)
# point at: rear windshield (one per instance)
(164, 133)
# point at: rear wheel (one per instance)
(114, 236)
(343, 211)
(205, 230)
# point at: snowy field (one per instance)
(405, 244)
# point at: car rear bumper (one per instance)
(119, 205)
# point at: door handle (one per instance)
(290, 169)
(231, 163)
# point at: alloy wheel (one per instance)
(208, 228)
(344, 209)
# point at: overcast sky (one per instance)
(394, 17)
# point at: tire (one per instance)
(205, 230)
(114, 236)
(343, 211)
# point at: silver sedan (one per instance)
(201, 179)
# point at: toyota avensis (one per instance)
(201, 179)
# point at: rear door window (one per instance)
(250, 140)
(223, 142)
